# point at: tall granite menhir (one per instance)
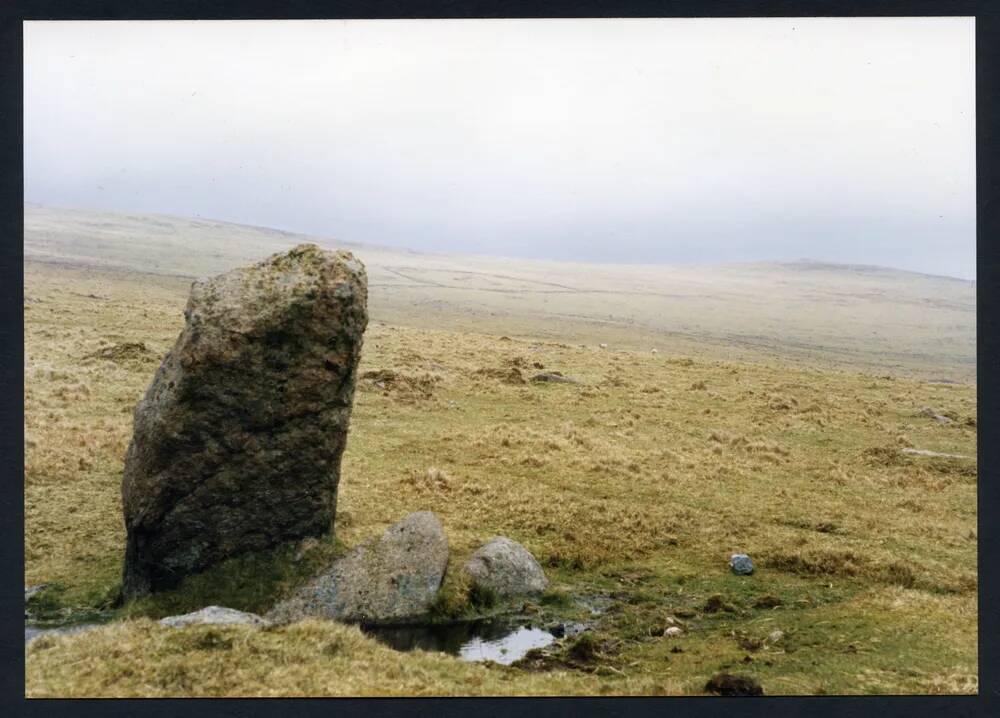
(237, 442)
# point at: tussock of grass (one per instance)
(312, 658)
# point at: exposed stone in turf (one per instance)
(216, 616)
(507, 568)
(392, 580)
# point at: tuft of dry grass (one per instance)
(310, 658)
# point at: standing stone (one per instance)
(237, 442)
(392, 581)
(507, 568)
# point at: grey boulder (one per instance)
(741, 564)
(237, 442)
(393, 580)
(216, 616)
(507, 568)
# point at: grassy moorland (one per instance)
(632, 488)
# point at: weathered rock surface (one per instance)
(507, 568)
(392, 580)
(741, 564)
(216, 616)
(931, 414)
(935, 454)
(237, 442)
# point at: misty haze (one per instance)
(548, 357)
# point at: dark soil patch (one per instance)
(767, 601)
(124, 353)
(728, 684)
(511, 375)
(884, 456)
(717, 604)
(555, 377)
(389, 380)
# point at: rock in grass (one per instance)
(30, 591)
(931, 414)
(728, 684)
(934, 454)
(507, 568)
(237, 442)
(741, 564)
(216, 616)
(392, 580)
(554, 376)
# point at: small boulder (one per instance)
(507, 568)
(393, 580)
(673, 632)
(741, 564)
(30, 591)
(216, 616)
(931, 414)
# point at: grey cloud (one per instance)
(656, 141)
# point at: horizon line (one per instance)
(397, 248)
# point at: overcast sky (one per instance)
(847, 140)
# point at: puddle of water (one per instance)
(507, 649)
(492, 640)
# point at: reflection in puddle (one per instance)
(507, 649)
(492, 640)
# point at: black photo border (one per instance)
(14, 12)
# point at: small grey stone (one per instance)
(506, 567)
(555, 377)
(392, 580)
(214, 615)
(934, 454)
(741, 564)
(931, 414)
(30, 591)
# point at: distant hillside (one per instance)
(849, 316)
